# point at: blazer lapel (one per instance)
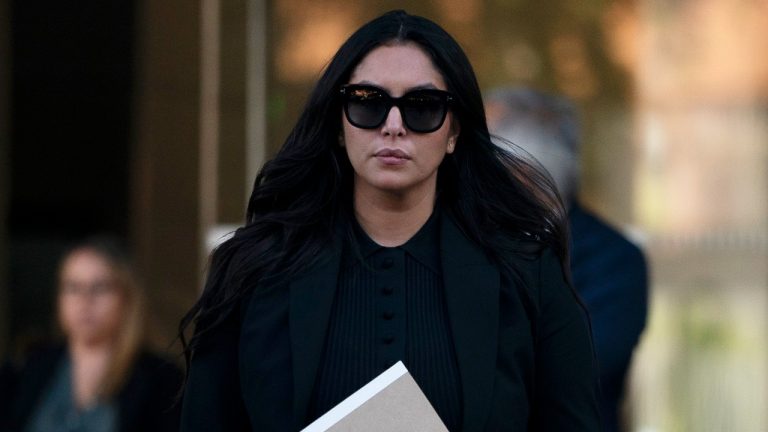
(472, 286)
(311, 301)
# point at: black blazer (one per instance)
(257, 370)
(147, 401)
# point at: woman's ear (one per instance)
(454, 137)
(451, 144)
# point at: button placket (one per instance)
(390, 307)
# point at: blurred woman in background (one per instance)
(101, 378)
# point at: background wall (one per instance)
(70, 72)
(5, 56)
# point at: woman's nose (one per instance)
(394, 124)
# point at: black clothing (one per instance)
(390, 306)
(611, 276)
(257, 371)
(145, 403)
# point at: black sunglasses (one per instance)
(423, 110)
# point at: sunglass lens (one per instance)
(366, 108)
(424, 112)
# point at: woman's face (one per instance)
(90, 302)
(393, 158)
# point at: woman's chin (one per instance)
(392, 183)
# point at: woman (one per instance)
(101, 380)
(389, 227)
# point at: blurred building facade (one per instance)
(126, 117)
(176, 104)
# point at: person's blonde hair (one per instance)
(130, 337)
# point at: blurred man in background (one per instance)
(609, 272)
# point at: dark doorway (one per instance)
(71, 93)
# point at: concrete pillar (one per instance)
(236, 68)
(199, 139)
(256, 86)
(165, 166)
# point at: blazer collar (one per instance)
(472, 295)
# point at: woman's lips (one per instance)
(392, 156)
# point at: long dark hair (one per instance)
(301, 195)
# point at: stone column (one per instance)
(165, 191)
(198, 140)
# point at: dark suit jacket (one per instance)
(257, 371)
(145, 403)
(610, 274)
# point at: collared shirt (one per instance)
(390, 306)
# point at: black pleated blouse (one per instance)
(390, 306)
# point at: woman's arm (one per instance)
(566, 369)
